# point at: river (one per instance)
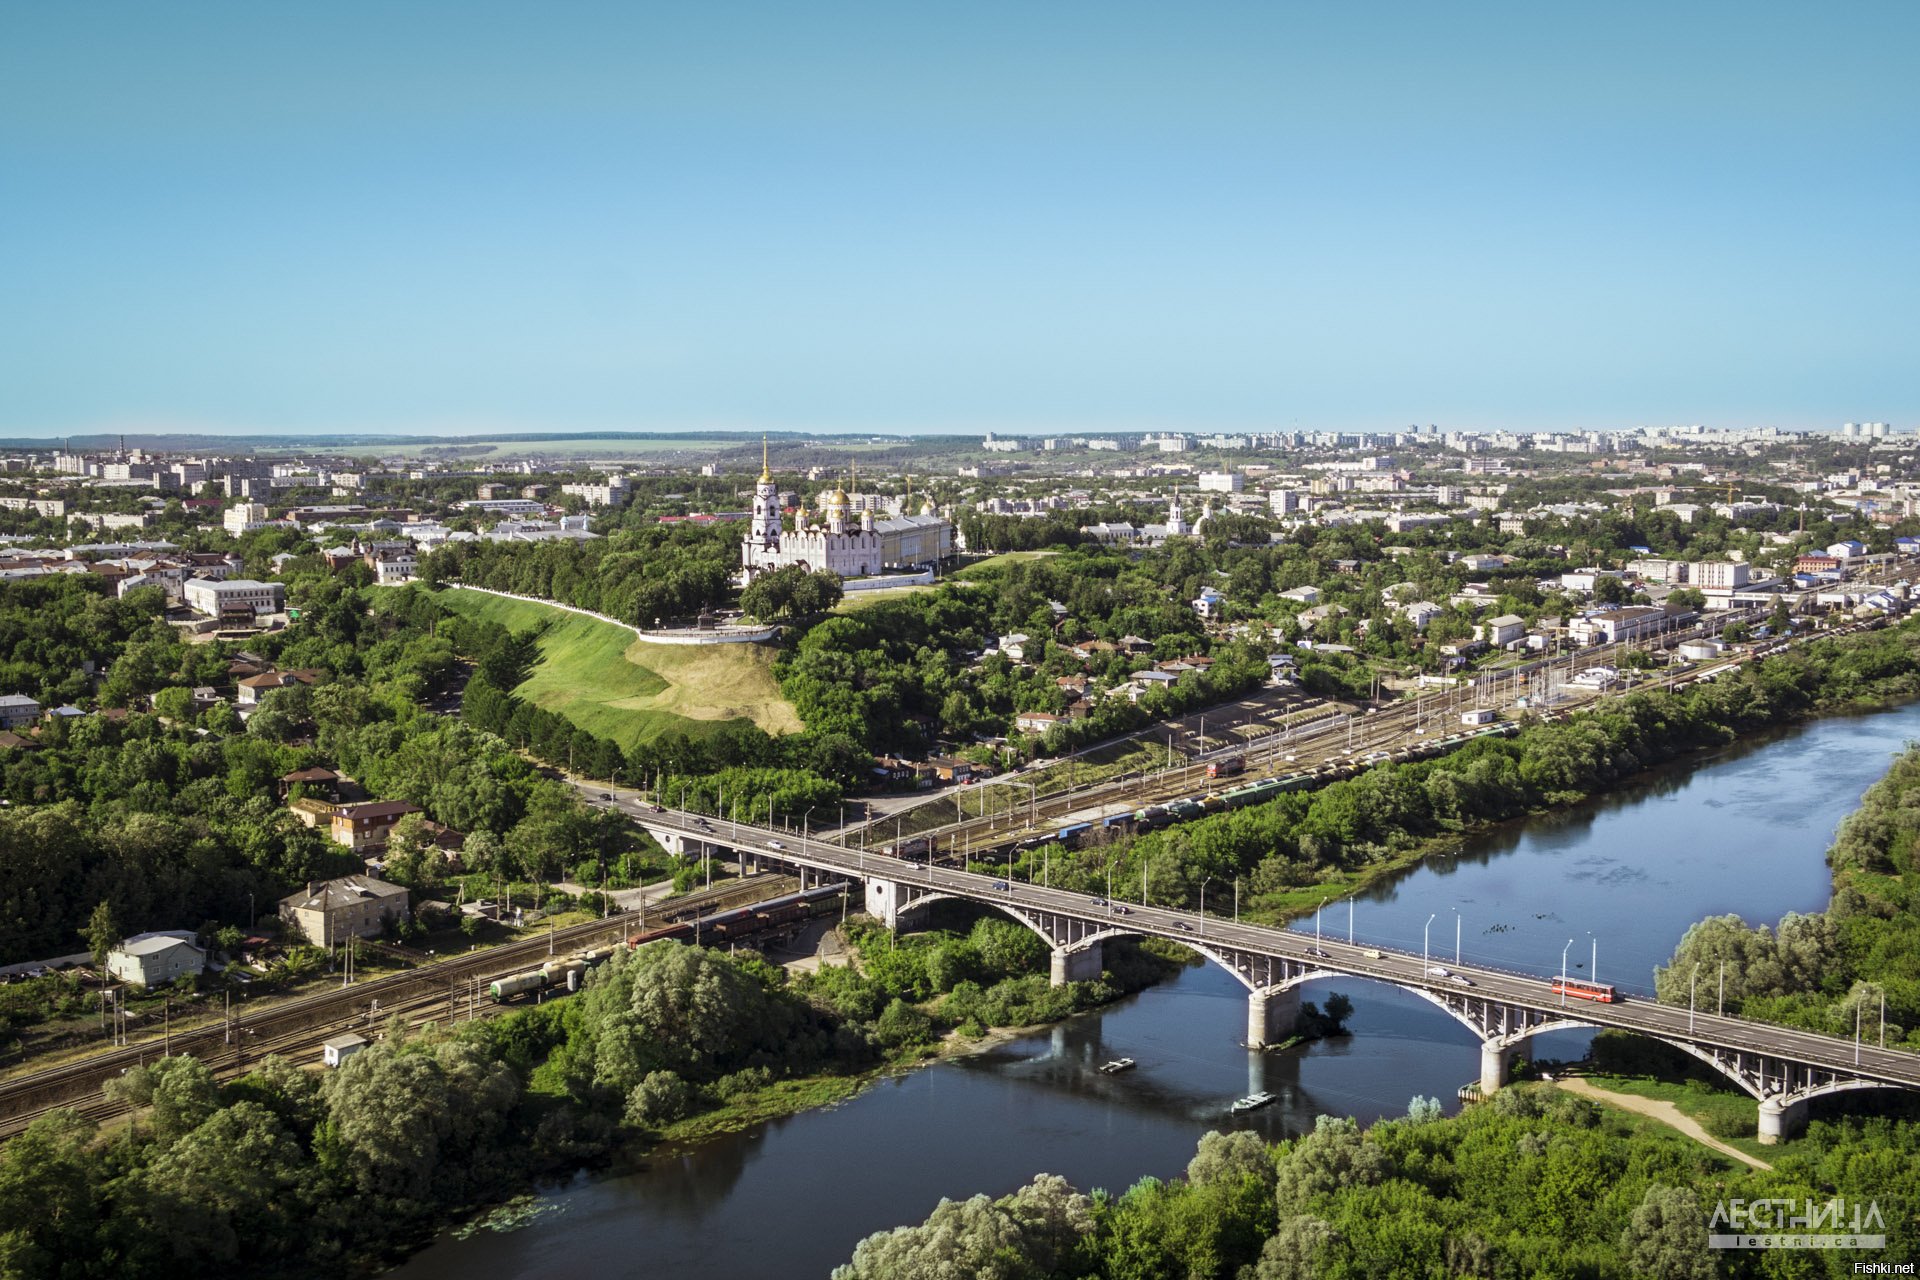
(1742, 830)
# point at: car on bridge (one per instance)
(1316, 951)
(998, 884)
(1439, 971)
(771, 844)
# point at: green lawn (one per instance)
(607, 682)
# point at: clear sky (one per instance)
(925, 217)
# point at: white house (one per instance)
(1209, 603)
(155, 959)
(1421, 612)
(18, 710)
(1503, 630)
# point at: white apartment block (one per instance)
(613, 492)
(1222, 482)
(1720, 575)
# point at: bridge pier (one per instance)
(1496, 1062)
(1781, 1120)
(1271, 1015)
(1081, 964)
(883, 902)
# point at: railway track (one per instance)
(1339, 739)
(233, 1044)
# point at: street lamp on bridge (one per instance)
(1423, 944)
(1563, 972)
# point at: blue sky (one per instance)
(921, 217)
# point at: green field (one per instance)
(601, 678)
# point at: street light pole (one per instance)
(1205, 881)
(1563, 972)
(1691, 980)
(1456, 935)
(1423, 944)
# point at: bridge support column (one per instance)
(883, 902)
(1082, 964)
(1271, 1016)
(1781, 1120)
(1496, 1062)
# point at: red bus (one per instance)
(1581, 989)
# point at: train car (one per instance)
(1070, 837)
(1119, 823)
(684, 929)
(520, 984)
(1185, 808)
(1581, 989)
(1213, 802)
(1232, 766)
(1154, 815)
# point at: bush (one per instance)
(660, 1099)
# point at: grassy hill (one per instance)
(601, 678)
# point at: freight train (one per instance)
(740, 922)
(1155, 816)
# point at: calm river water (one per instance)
(1741, 831)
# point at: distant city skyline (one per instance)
(846, 218)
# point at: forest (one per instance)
(1535, 1182)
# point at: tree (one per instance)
(1029, 1235)
(179, 1093)
(102, 933)
(1297, 1251)
(1335, 1155)
(175, 703)
(1666, 1238)
(660, 1099)
(1610, 590)
(416, 1125)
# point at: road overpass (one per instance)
(1782, 1068)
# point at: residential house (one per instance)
(350, 907)
(249, 691)
(1420, 612)
(367, 826)
(1036, 721)
(155, 959)
(17, 711)
(319, 782)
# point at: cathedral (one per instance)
(844, 546)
